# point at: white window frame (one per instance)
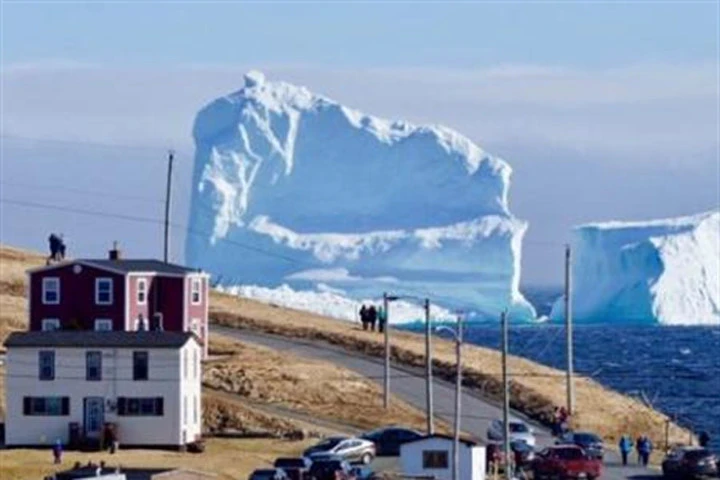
(138, 290)
(98, 281)
(103, 321)
(45, 282)
(194, 281)
(50, 321)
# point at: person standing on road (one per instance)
(372, 317)
(57, 451)
(704, 439)
(625, 445)
(364, 316)
(645, 449)
(638, 440)
(382, 319)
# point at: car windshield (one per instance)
(587, 438)
(329, 443)
(516, 427)
(263, 475)
(697, 454)
(569, 453)
(290, 463)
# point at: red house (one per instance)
(119, 294)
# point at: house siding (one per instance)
(77, 307)
(165, 379)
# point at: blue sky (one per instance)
(605, 110)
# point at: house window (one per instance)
(50, 324)
(195, 409)
(435, 459)
(103, 291)
(185, 364)
(103, 325)
(185, 410)
(46, 406)
(140, 406)
(141, 291)
(140, 365)
(195, 290)
(51, 291)
(93, 366)
(195, 364)
(46, 363)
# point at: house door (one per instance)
(94, 416)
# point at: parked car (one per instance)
(689, 463)
(296, 468)
(519, 430)
(388, 440)
(349, 448)
(269, 474)
(331, 468)
(591, 443)
(565, 462)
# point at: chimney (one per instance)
(115, 253)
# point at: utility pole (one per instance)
(506, 397)
(386, 395)
(569, 332)
(458, 393)
(168, 196)
(428, 370)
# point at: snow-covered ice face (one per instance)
(301, 175)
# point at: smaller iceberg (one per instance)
(656, 272)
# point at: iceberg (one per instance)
(292, 188)
(656, 272)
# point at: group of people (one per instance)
(642, 444)
(371, 316)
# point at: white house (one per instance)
(432, 457)
(146, 383)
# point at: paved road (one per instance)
(409, 385)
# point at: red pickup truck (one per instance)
(565, 462)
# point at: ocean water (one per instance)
(675, 369)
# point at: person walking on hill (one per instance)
(625, 446)
(645, 449)
(364, 316)
(382, 319)
(372, 317)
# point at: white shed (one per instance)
(432, 457)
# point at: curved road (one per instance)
(409, 385)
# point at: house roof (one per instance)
(90, 338)
(466, 442)
(125, 266)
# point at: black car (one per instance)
(269, 474)
(388, 440)
(296, 468)
(591, 443)
(329, 468)
(689, 463)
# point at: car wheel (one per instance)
(366, 459)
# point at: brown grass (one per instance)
(323, 389)
(225, 457)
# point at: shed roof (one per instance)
(91, 338)
(440, 436)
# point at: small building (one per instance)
(432, 457)
(119, 294)
(76, 385)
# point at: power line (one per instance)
(80, 191)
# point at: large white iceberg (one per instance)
(291, 187)
(661, 271)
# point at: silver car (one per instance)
(519, 431)
(348, 448)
